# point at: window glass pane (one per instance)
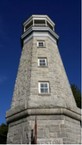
(41, 44)
(46, 90)
(39, 21)
(42, 90)
(49, 25)
(28, 25)
(42, 62)
(44, 87)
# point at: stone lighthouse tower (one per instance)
(43, 108)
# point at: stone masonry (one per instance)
(58, 118)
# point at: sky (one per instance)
(65, 14)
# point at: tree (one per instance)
(77, 95)
(3, 133)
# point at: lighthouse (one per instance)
(43, 109)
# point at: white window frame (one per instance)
(39, 87)
(41, 41)
(42, 58)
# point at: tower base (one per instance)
(54, 126)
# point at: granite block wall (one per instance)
(61, 124)
(51, 129)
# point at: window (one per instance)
(43, 87)
(42, 61)
(28, 25)
(41, 44)
(49, 25)
(39, 21)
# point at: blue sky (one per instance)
(65, 14)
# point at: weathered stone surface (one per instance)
(58, 118)
(18, 132)
(26, 86)
(50, 141)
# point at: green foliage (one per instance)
(3, 133)
(77, 95)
